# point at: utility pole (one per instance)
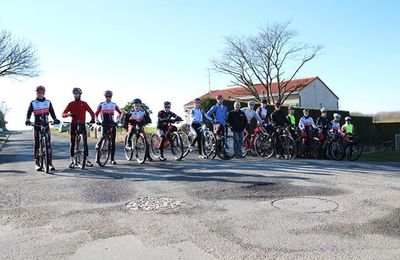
(209, 81)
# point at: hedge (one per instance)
(370, 133)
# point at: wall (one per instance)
(317, 95)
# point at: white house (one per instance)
(310, 93)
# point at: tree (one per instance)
(17, 58)
(266, 58)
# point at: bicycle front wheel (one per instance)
(80, 153)
(185, 143)
(176, 146)
(354, 151)
(226, 149)
(128, 148)
(45, 155)
(103, 150)
(209, 142)
(155, 141)
(141, 147)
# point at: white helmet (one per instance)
(324, 110)
(336, 115)
(251, 103)
(347, 118)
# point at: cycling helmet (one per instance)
(40, 89)
(290, 108)
(197, 100)
(324, 110)
(108, 93)
(167, 104)
(219, 96)
(137, 101)
(306, 111)
(336, 115)
(264, 101)
(76, 90)
(278, 103)
(347, 118)
(251, 103)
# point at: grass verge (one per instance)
(384, 156)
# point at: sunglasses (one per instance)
(108, 96)
(167, 107)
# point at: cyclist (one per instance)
(348, 127)
(263, 112)
(251, 113)
(306, 124)
(291, 118)
(137, 116)
(238, 121)
(107, 110)
(278, 118)
(324, 123)
(335, 124)
(77, 111)
(165, 117)
(197, 114)
(41, 108)
(218, 114)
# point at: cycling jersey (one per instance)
(78, 108)
(197, 115)
(220, 112)
(324, 122)
(278, 118)
(263, 113)
(39, 108)
(250, 114)
(292, 119)
(107, 110)
(348, 128)
(306, 122)
(164, 118)
(335, 126)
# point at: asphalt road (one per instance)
(196, 209)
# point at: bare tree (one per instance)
(17, 58)
(265, 58)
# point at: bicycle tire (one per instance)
(103, 150)
(128, 150)
(209, 142)
(45, 155)
(80, 153)
(176, 146)
(155, 141)
(141, 147)
(185, 143)
(226, 149)
(351, 150)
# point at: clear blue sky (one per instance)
(160, 50)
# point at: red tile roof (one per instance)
(238, 92)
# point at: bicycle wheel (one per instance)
(336, 150)
(176, 146)
(258, 144)
(269, 147)
(288, 145)
(80, 153)
(141, 148)
(185, 143)
(45, 155)
(209, 144)
(103, 150)
(315, 149)
(354, 151)
(128, 148)
(155, 141)
(226, 150)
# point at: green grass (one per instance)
(384, 156)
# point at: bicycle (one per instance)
(252, 142)
(172, 140)
(353, 147)
(80, 150)
(224, 145)
(137, 143)
(310, 146)
(279, 142)
(103, 146)
(207, 141)
(44, 155)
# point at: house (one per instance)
(312, 93)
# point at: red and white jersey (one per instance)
(107, 110)
(306, 123)
(335, 126)
(40, 108)
(137, 116)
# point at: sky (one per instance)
(161, 50)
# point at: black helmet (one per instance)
(137, 101)
(167, 104)
(76, 91)
(264, 101)
(197, 100)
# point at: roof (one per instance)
(240, 92)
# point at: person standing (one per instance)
(218, 115)
(197, 114)
(41, 109)
(324, 123)
(77, 110)
(238, 122)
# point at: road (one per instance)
(240, 209)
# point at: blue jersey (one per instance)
(220, 113)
